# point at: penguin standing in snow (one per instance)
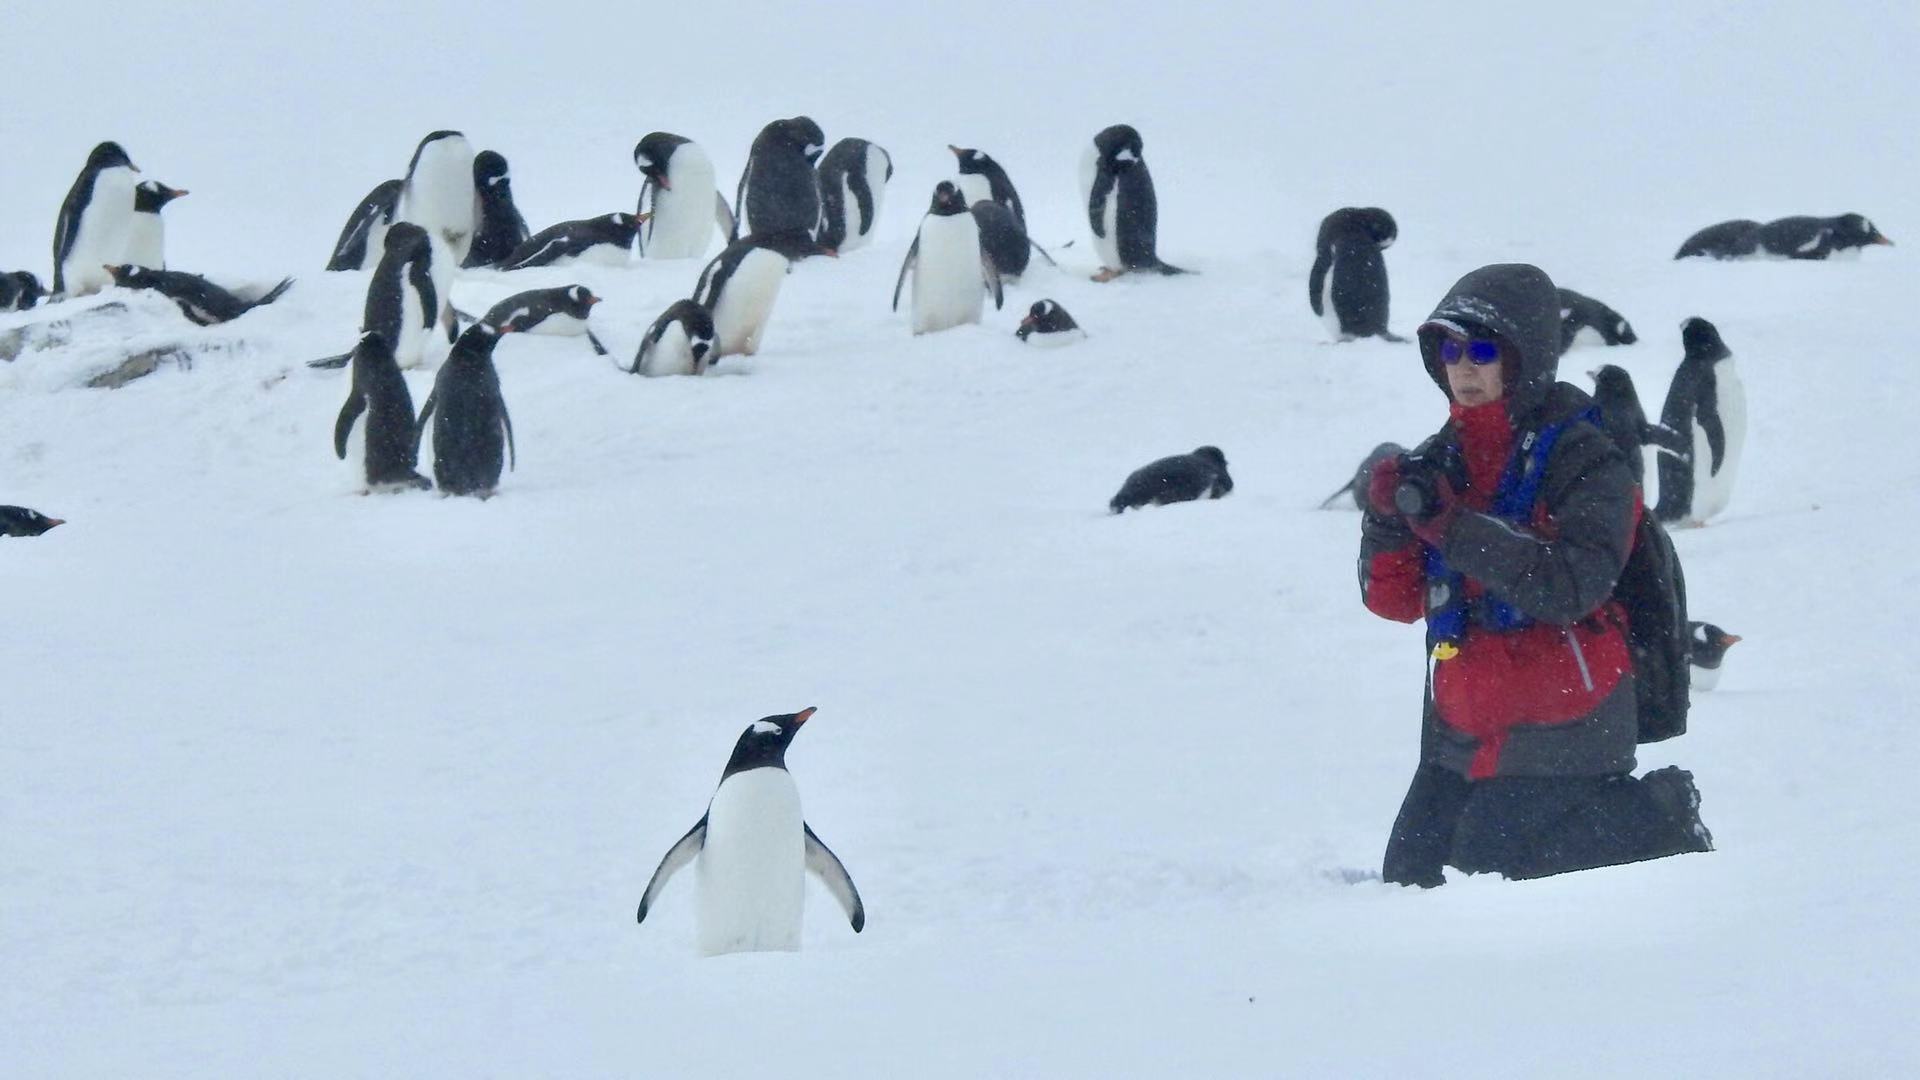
(1121, 207)
(739, 287)
(472, 433)
(982, 179)
(1583, 316)
(374, 431)
(147, 239)
(853, 186)
(1180, 478)
(606, 240)
(364, 236)
(1707, 407)
(1047, 323)
(438, 193)
(951, 272)
(21, 521)
(498, 228)
(95, 222)
(752, 850)
(779, 192)
(20, 290)
(561, 311)
(1348, 283)
(401, 297)
(200, 300)
(680, 342)
(1625, 422)
(680, 194)
(1707, 647)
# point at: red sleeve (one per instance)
(1393, 583)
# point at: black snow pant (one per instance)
(1526, 826)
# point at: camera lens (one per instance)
(1413, 498)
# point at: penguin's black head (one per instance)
(20, 521)
(404, 236)
(1380, 226)
(1211, 455)
(1624, 331)
(697, 322)
(108, 155)
(490, 170)
(578, 301)
(947, 200)
(1702, 340)
(654, 152)
(1707, 644)
(764, 743)
(27, 289)
(1611, 383)
(803, 134)
(1119, 147)
(972, 162)
(1854, 230)
(150, 195)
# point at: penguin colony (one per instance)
(454, 209)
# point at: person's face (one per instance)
(1474, 369)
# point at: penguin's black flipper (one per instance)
(906, 265)
(329, 362)
(826, 866)
(1327, 503)
(990, 272)
(1664, 438)
(598, 349)
(420, 425)
(355, 405)
(506, 422)
(1043, 253)
(679, 855)
(1388, 335)
(272, 294)
(1168, 268)
(1316, 281)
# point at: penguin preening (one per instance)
(472, 433)
(1707, 407)
(1122, 209)
(1583, 316)
(147, 235)
(200, 300)
(375, 429)
(680, 342)
(1180, 478)
(1707, 647)
(853, 186)
(606, 240)
(95, 222)
(21, 521)
(1799, 237)
(438, 193)
(752, 850)
(364, 236)
(779, 191)
(679, 198)
(499, 227)
(952, 272)
(739, 287)
(1347, 285)
(1625, 421)
(1047, 323)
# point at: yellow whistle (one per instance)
(1445, 650)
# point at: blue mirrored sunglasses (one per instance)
(1481, 351)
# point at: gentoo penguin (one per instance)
(499, 228)
(1004, 239)
(1584, 316)
(853, 186)
(778, 191)
(1707, 406)
(1356, 488)
(364, 236)
(951, 273)
(1121, 208)
(562, 310)
(981, 177)
(739, 287)
(20, 521)
(1625, 422)
(472, 433)
(200, 300)
(753, 850)
(20, 290)
(1348, 283)
(95, 223)
(1707, 647)
(438, 193)
(147, 238)
(1818, 237)
(680, 342)
(606, 240)
(1047, 323)
(401, 297)
(375, 432)
(1180, 478)
(1727, 240)
(681, 196)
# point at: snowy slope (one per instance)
(299, 783)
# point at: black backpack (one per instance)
(1654, 592)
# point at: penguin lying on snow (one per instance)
(606, 239)
(1047, 323)
(753, 850)
(1347, 286)
(1181, 478)
(1706, 407)
(1580, 314)
(1121, 208)
(20, 290)
(562, 311)
(20, 521)
(200, 300)
(1784, 238)
(1707, 647)
(374, 431)
(1357, 487)
(680, 342)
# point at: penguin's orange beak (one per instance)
(1729, 639)
(175, 193)
(592, 299)
(831, 253)
(801, 716)
(51, 522)
(1883, 240)
(955, 149)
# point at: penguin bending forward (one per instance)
(853, 187)
(951, 271)
(1347, 286)
(739, 287)
(680, 342)
(472, 433)
(779, 192)
(374, 432)
(1121, 208)
(1707, 407)
(679, 199)
(753, 850)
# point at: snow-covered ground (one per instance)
(299, 783)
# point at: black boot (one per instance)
(1673, 788)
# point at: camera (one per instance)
(1417, 496)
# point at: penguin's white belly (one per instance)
(599, 255)
(103, 234)
(671, 355)
(1327, 314)
(439, 196)
(1713, 491)
(1056, 339)
(752, 869)
(559, 326)
(146, 242)
(740, 316)
(357, 454)
(948, 288)
(1586, 336)
(411, 350)
(445, 263)
(682, 225)
(1704, 678)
